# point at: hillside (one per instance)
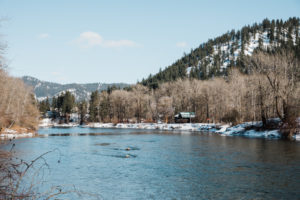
(216, 56)
(44, 89)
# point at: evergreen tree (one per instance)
(54, 103)
(94, 107)
(44, 106)
(68, 103)
(82, 111)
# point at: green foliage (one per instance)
(94, 106)
(112, 88)
(82, 111)
(64, 103)
(68, 102)
(44, 106)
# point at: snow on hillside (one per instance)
(223, 50)
(44, 89)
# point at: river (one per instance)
(166, 165)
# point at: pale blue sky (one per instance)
(118, 41)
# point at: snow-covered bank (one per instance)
(69, 125)
(247, 129)
(47, 122)
(10, 134)
(157, 126)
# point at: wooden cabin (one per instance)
(184, 117)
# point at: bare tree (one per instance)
(282, 71)
(165, 107)
(140, 106)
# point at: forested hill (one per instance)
(44, 89)
(216, 56)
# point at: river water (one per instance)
(165, 165)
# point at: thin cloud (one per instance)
(90, 39)
(43, 36)
(181, 44)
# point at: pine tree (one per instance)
(272, 31)
(82, 110)
(68, 102)
(44, 106)
(94, 106)
(54, 103)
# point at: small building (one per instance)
(184, 117)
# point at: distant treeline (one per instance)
(206, 61)
(271, 89)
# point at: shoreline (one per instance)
(247, 129)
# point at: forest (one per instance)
(262, 86)
(270, 90)
(217, 56)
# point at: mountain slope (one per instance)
(214, 57)
(44, 89)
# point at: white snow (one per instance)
(46, 122)
(247, 129)
(38, 85)
(188, 70)
(10, 134)
(69, 125)
(159, 126)
(41, 98)
(250, 46)
(224, 130)
(240, 130)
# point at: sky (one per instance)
(73, 41)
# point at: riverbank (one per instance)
(20, 133)
(247, 129)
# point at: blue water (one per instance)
(165, 165)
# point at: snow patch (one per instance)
(46, 122)
(11, 134)
(241, 130)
